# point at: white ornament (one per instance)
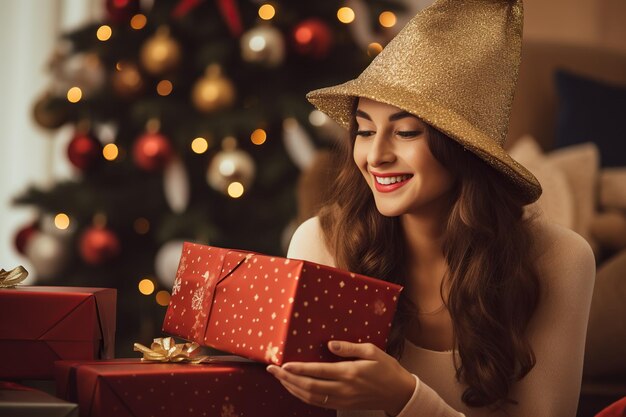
(48, 254)
(298, 144)
(166, 262)
(263, 44)
(176, 186)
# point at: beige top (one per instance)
(556, 332)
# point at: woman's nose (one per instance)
(381, 151)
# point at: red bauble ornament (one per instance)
(23, 236)
(122, 10)
(312, 37)
(84, 151)
(152, 152)
(98, 245)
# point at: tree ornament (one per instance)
(230, 165)
(83, 70)
(166, 262)
(127, 80)
(313, 38)
(298, 144)
(48, 254)
(84, 151)
(152, 151)
(23, 236)
(213, 91)
(176, 186)
(122, 10)
(161, 53)
(47, 113)
(264, 45)
(98, 245)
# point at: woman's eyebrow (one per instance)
(400, 115)
(361, 113)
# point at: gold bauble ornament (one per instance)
(230, 165)
(160, 53)
(263, 44)
(127, 80)
(47, 114)
(213, 91)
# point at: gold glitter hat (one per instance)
(455, 66)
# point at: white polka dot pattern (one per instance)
(231, 387)
(275, 310)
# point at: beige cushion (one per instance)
(556, 201)
(606, 334)
(580, 164)
(609, 230)
(613, 188)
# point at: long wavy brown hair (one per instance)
(492, 286)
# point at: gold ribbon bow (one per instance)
(164, 349)
(9, 279)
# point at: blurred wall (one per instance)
(596, 23)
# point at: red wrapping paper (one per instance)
(40, 325)
(228, 387)
(272, 309)
(17, 400)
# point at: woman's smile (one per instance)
(388, 182)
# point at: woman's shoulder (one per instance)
(564, 259)
(308, 243)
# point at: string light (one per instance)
(141, 225)
(104, 33)
(138, 21)
(199, 145)
(146, 286)
(374, 49)
(74, 94)
(110, 152)
(345, 15)
(164, 87)
(258, 137)
(387, 19)
(235, 189)
(62, 221)
(267, 11)
(163, 298)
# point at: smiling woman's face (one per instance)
(391, 151)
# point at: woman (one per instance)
(493, 317)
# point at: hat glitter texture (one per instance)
(455, 66)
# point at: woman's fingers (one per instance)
(320, 400)
(354, 350)
(306, 383)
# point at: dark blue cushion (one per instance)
(592, 111)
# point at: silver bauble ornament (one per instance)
(166, 262)
(48, 254)
(229, 166)
(263, 44)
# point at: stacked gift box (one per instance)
(261, 308)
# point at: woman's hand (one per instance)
(372, 380)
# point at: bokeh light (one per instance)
(62, 221)
(104, 33)
(258, 137)
(267, 11)
(141, 225)
(138, 21)
(387, 19)
(164, 87)
(146, 286)
(235, 189)
(74, 94)
(374, 49)
(110, 152)
(163, 298)
(345, 15)
(199, 145)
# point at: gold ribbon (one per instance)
(164, 349)
(9, 279)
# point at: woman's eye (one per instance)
(408, 133)
(364, 133)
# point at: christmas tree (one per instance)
(190, 123)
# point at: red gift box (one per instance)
(40, 325)
(17, 400)
(272, 309)
(227, 387)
